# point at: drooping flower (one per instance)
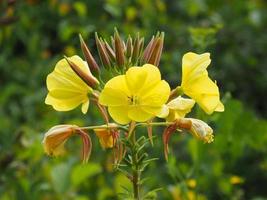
(56, 137)
(66, 89)
(197, 84)
(201, 130)
(138, 95)
(177, 108)
(107, 137)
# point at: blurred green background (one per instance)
(34, 34)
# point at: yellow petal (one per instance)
(194, 65)
(119, 114)
(85, 106)
(157, 95)
(136, 113)
(206, 93)
(220, 107)
(63, 104)
(164, 112)
(115, 92)
(181, 103)
(142, 78)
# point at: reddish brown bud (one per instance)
(104, 57)
(88, 57)
(147, 50)
(119, 49)
(156, 50)
(110, 51)
(89, 79)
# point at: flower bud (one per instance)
(89, 79)
(104, 57)
(88, 57)
(119, 49)
(201, 130)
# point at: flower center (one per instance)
(133, 100)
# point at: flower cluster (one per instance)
(130, 90)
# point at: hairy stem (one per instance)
(135, 168)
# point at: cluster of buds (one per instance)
(119, 55)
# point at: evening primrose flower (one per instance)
(201, 130)
(197, 84)
(138, 95)
(177, 108)
(66, 89)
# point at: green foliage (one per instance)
(34, 34)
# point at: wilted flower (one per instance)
(66, 89)
(201, 130)
(56, 137)
(197, 84)
(138, 95)
(177, 108)
(107, 137)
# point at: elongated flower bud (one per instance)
(147, 50)
(89, 58)
(119, 49)
(89, 79)
(110, 51)
(104, 57)
(129, 47)
(156, 50)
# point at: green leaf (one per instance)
(84, 171)
(60, 177)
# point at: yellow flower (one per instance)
(201, 130)
(138, 95)
(197, 84)
(236, 180)
(107, 138)
(66, 89)
(176, 108)
(56, 137)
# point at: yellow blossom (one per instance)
(66, 89)
(177, 108)
(138, 95)
(106, 137)
(197, 84)
(201, 130)
(56, 137)
(236, 180)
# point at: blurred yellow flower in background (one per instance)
(66, 89)
(197, 84)
(138, 95)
